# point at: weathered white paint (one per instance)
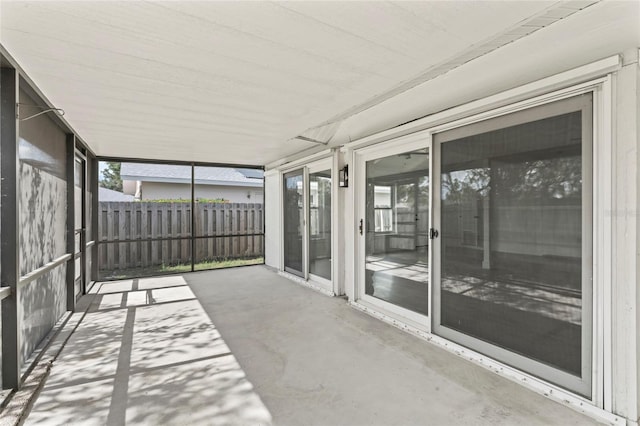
(337, 226)
(625, 242)
(496, 104)
(350, 227)
(272, 219)
(637, 310)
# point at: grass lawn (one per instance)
(172, 269)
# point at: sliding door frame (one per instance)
(400, 145)
(317, 166)
(308, 167)
(303, 172)
(534, 94)
(550, 109)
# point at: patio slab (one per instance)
(248, 346)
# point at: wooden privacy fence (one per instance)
(140, 234)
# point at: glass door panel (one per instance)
(320, 223)
(227, 219)
(515, 245)
(397, 223)
(79, 237)
(293, 222)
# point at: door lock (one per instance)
(433, 233)
(360, 227)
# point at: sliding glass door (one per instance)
(319, 190)
(505, 261)
(307, 222)
(294, 222)
(514, 257)
(394, 230)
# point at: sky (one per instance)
(101, 166)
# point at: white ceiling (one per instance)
(235, 82)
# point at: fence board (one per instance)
(124, 214)
(210, 230)
(201, 226)
(219, 223)
(186, 244)
(144, 246)
(110, 230)
(153, 220)
(228, 226)
(165, 226)
(133, 247)
(252, 226)
(175, 253)
(243, 230)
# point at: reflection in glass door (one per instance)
(293, 222)
(515, 248)
(397, 225)
(320, 223)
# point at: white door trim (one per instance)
(411, 142)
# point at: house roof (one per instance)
(105, 194)
(182, 174)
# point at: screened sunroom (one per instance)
(256, 212)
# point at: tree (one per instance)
(111, 177)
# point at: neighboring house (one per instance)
(105, 194)
(163, 181)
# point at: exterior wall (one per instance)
(0, 271)
(273, 209)
(233, 194)
(129, 187)
(42, 217)
(637, 264)
(626, 298)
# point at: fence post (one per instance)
(243, 229)
(165, 225)
(122, 247)
(186, 252)
(133, 234)
(175, 258)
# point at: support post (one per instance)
(94, 165)
(71, 265)
(193, 218)
(9, 227)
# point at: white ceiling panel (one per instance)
(235, 82)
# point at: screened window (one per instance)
(383, 208)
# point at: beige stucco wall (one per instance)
(234, 194)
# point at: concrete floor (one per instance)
(151, 351)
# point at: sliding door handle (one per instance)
(360, 227)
